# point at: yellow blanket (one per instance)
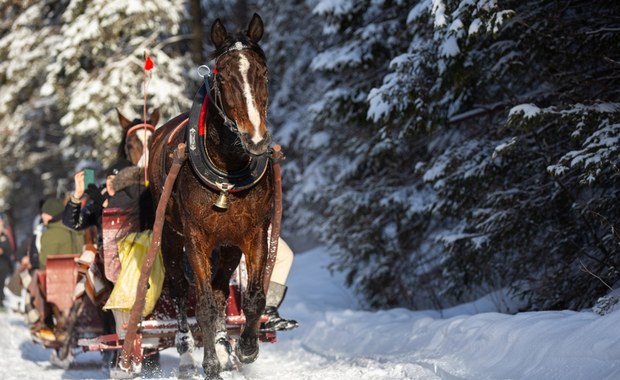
(132, 250)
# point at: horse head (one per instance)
(136, 136)
(240, 84)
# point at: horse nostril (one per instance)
(256, 147)
(267, 139)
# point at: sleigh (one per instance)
(78, 295)
(62, 313)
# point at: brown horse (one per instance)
(136, 136)
(228, 146)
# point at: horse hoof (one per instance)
(61, 362)
(187, 368)
(247, 353)
(223, 351)
(212, 369)
(118, 374)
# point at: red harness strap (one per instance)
(177, 129)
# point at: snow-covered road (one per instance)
(338, 341)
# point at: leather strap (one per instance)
(202, 165)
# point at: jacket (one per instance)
(6, 258)
(58, 239)
(79, 218)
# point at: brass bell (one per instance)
(222, 201)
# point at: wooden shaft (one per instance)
(138, 306)
(277, 217)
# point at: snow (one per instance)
(335, 7)
(449, 47)
(338, 340)
(439, 11)
(528, 110)
(474, 27)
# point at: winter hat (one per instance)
(117, 167)
(53, 206)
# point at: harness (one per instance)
(207, 172)
(199, 159)
(134, 129)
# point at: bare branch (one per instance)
(584, 269)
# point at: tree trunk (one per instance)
(197, 32)
(241, 13)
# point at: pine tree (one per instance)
(442, 179)
(65, 66)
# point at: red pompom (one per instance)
(148, 63)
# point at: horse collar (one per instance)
(210, 175)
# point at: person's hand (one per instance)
(95, 194)
(79, 184)
(25, 263)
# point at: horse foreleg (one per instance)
(208, 303)
(184, 341)
(253, 306)
(172, 246)
(254, 302)
(226, 263)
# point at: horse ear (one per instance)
(123, 120)
(255, 29)
(155, 117)
(218, 33)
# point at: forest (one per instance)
(442, 149)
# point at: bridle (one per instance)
(204, 168)
(145, 146)
(213, 85)
(219, 104)
(136, 127)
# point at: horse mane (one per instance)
(231, 40)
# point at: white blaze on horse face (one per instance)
(144, 135)
(253, 114)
